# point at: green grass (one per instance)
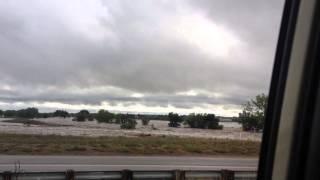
(148, 145)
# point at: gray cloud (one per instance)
(134, 47)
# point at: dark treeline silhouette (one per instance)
(23, 113)
(31, 113)
(83, 115)
(174, 120)
(126, 120)
(163, 117)
(202, 121)
(60, 113)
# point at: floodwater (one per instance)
(231, 130)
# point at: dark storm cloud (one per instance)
(95, 98)
(134, 47)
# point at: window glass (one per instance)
(159, 79)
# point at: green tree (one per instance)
(60, 113)
(174, 119)
(104, 116)
(253, 114)
(28, 113)
(10, 113)
(203, 121)
(126, 122)
(119, 117)
(193, 120)
(45, 115)
(145, 121)
(212, 122)
(82, 115)
(1, 113)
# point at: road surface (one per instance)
(107, 163)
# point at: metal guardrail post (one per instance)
(6, 175)
(127, 174)
(227, 175)
(70, 175)
(179, 175)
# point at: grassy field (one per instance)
(74, 145)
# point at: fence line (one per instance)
(130, 175)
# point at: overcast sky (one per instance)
(136, 56)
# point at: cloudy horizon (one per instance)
(203, 56)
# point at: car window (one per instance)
(144, 85)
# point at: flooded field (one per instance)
(66, 127)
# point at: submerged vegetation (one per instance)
(126, 121)
(251, 118)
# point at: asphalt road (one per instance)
(107, 163)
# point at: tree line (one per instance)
(31, 113)
(252, 116)
(202, 121)
(23, 113)
(126, 121)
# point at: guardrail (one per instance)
(131, 175)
